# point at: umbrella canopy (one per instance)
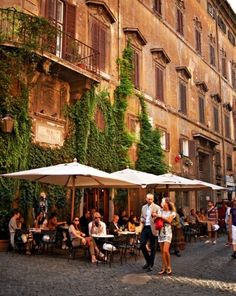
(165, 181)
(72, 175)
(210, 185)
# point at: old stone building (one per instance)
(184, 65)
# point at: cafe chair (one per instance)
(49, 240)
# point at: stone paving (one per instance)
(201, 270)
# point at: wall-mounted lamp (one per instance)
(7, 124)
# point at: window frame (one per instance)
(201, 109)
(183, 104)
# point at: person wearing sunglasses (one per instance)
(97, 226)
(79, 238)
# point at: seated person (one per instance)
(84, 222)
(123, 220)
(131, 223)
(40, 220)
(114, 226)
(192, 219)
(96, 226)
(13, 226)
(79, 238)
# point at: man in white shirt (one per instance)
(149, 233)
(97, 226)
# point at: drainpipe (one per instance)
(220, 89)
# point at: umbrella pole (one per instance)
(73, 200)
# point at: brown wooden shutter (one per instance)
(136, 69)
(157, 6)
(167, 141)
(102, 47)
(227, 126)
(223, 64)
(217, 159)
(181, 145)
(183, 103)
(50, 10)
(212, 56)
(233, 76)
(192, 145)
(216, 119)
(159, 84)
(198, 41)
(69, 28)
(180, 22)
(234, 119)
(201, 110)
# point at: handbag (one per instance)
(159, 223)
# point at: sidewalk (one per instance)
(201, 270)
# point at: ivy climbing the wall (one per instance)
(150, 152)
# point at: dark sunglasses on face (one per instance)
(97, 217)
(76, 220)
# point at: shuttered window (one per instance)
(99, 119)
(223, 66)
(99, 41)
(182, 98)
(180, 22)
(217, 159)
(212, 56)
(227, 126)
(165, 140)
(234, 119)
(159, 84)
(198, 41)
(229, 163)
(233, 77)
(136, 69)
(201, 107)
(157, 6)
(216, 119)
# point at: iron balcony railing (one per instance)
(37, 34)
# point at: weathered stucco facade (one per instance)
(185, 66)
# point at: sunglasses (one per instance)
(97, 217)
(76, 220)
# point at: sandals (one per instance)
(163, 271)
(169, 271)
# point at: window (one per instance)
(221, 24)
(182, 97)
(99, 40)
(201, 109)
(136, 72)
(157, 6)
(233, 75)
(216, 119)
(211, 10)
(132, 123)
(99, 119)
(212, 55)
(231, 38)
(159, 84)
(229, 163)
(180, 22)
(184, 146)
(227, 126)
(217, 159)
(223, 67)
(198, 41)
(165, 140)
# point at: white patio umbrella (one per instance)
(72, 175)
(165, 181)
(211, 186)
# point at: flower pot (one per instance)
(81, 65)
(7, 124)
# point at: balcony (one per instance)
(38, 35)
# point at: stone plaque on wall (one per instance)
(48, 133)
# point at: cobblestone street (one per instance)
(201, 270)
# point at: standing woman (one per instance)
(167, 213)
(233, 223)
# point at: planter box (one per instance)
(4, 244)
